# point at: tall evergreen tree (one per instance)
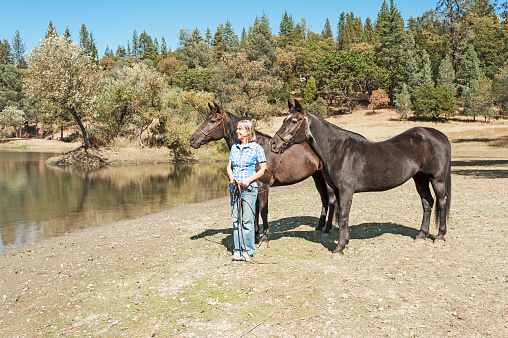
(327, 30)
(368, 35)
(67, 34)
(5, 53)
(135, 45)
(84, 39)
(455, 35)
(262, 45)
(146, 47)
(408, 72)
(208, 36)
(18, 48)
(446, 74)
(231, 41)
(468, 70)
(51, 31)
(426, 72)
(286, 30)
(390, 34)
(164, 47)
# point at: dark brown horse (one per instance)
(353, 164)
(297, 164)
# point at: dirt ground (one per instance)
(170, 274)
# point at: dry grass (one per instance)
(170, 274)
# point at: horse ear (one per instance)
(290, 105)
(298, 106)
(210, 106)
(215, 104)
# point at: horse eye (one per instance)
(294, 121)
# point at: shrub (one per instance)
(319, 107)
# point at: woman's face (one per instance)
(242, 133)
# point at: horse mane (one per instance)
(348, 133)
(234, 120)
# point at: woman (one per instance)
(242, 177)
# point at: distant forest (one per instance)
(449, 60)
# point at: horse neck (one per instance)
(323, 133)
(230, 129)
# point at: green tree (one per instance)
(261, 45)
(390, 34)
(430, 101)
(409, 72)
(403, 102)
(310, 92)
(18, 47)
(146, 47)
(479, 99)
(426, 72)
(51, 31)
(5, 53)
(64, 80)
(489, 38)
(286, 30)
(243, 86)
(468, 69)
(11, 87)
(135, 45)
(455, 35)
(446, 74)
(327, 33)
(500, 88)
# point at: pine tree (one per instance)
(286, 30)
(18, 47)
(403, 102)
(262, 45)
(390, 34)
(84, 39)
(208, 36)
(408, 72)
(426, 73)
(368, 35)
(327, 30)
(93, 48)
(243, 40)
(51, 31)
(5, 53)
(164, 47)
(468, 69)
(230, 38)
(67, 34)
(446, 74)
(135, 45)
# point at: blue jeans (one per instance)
(243, 227)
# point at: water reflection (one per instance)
(38, 201)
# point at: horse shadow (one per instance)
(288, 227)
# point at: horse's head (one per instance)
(293, 129)
(212, 129)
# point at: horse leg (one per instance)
(441, 207)
(344, 199)
(263, 209)
(422, 186)
(321, 186)
(256, 222)
(332, 202)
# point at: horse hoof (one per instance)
(263, 245)
(326, 235)
(439, 240)
(337, 254)
(419, 240)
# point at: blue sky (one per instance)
(113, 22)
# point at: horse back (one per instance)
(294, 165)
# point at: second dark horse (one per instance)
(298, 163)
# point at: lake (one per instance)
(39, 201)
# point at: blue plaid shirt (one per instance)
(244, 161)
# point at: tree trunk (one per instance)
(86, 142)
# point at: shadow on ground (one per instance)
(288, 227)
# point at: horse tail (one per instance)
(448, 196)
